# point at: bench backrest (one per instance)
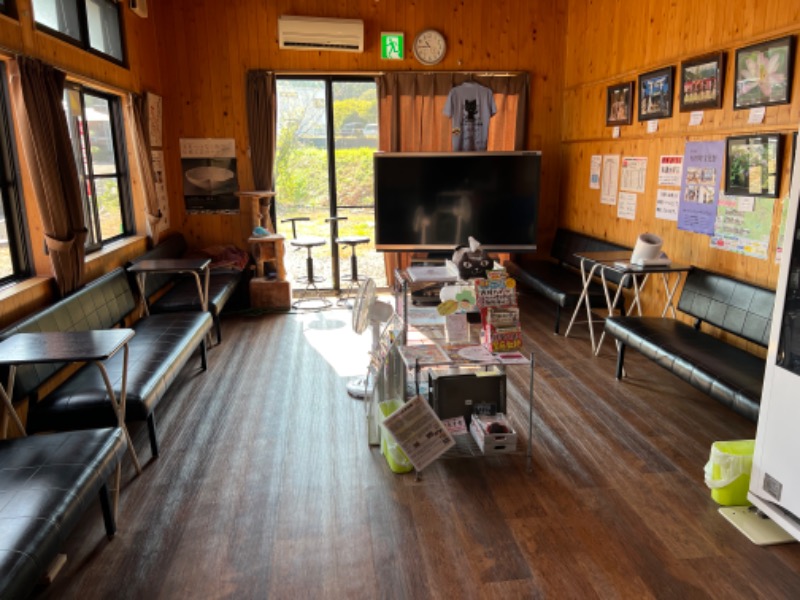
(102, 304)
(732, 305)
(173, 246)
(568, 242)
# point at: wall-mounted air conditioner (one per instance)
(313, 33)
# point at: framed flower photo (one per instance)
(619, 104)
(764, 73)
(702, 82)
(753, 165)
(655, 94)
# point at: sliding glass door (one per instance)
(326, 135)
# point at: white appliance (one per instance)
(775, 478)
(316, 33)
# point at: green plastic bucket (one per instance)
(727, 472)
(397, 459)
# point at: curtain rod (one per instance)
(377, 73)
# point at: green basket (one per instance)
(727, 472)
(397, 459)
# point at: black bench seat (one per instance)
(47, 482)
(730, 374)
(558, 278)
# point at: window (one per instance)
(14, 250)
(94, 25)
(7, 8)
(95, 126)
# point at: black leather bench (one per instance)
(180, 291)
(47, 482)
(161, 347)
(559, 278)
(727, 373)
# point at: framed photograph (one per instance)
(619, 104)
(764, 73)
(753, 165)
(655, 94)
(702, 82)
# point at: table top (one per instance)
(62, 346)
(619, 261)
(156, 265)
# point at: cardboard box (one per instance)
(269, 293)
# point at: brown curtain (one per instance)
(144, 158)
(411, 119)
(38, 91)
(261, 125)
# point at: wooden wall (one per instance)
(207, 47)
(613, 41)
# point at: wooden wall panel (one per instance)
(612, 41)
(207, 48)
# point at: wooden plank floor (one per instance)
(266, 487)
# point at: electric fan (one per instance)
(368, 310)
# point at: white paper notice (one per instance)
(756, 115)
(594, 172)
(652, 126)
(745, 203)
(696, 118)
(610, 178)
(626, 209)
(419, 432)
(615, 132)
(670, 170)
(667, 202)
(634, 174)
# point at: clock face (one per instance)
(429, 47)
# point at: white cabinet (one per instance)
(775, 479)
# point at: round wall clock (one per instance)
(429, 47)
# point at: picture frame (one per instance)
(702, 82)
(619, 104)
(764, 73)
(656, 93)
(753, 165)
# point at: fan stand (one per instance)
(357, 387)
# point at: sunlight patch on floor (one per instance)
(330, 332)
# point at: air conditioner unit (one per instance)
(315, 33)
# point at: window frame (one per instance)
(11, 196)
(83, 43)
(94, 239)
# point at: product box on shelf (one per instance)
(493, 434)
(501, 331)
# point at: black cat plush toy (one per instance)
(471, 261)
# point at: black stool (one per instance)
(312, 297)
(350, 241)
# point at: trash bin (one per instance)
(727, 472)
(397, 459)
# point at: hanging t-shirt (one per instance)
(470, 106)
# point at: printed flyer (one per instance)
(702, 173)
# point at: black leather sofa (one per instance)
(729, 374)
(47, 482)
(162, 345)
(559, 278)
(180, 291)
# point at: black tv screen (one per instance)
(435, 201)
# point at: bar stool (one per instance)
(312, 297)
(351, 241)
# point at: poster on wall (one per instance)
(667, 202)
(670, 170)
(154, 119)
(702, 173)
(743, 225)
(626, 208)
(209, 175)
(634, 174)
(609, 179)
(157, 159)
(594, 172)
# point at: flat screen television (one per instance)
(435, 201)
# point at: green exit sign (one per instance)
(392, 46)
